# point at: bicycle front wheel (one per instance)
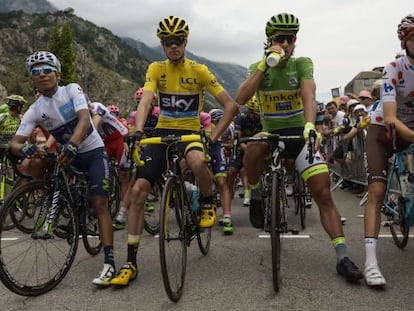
(32, 261)
(398, 227)
(152, 210)
(172, 240)
(90, 232)
(275, 230)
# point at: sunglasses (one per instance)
(45, 69)
(283, 38)
(173, 41)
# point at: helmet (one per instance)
(15, 100)
(138, 93)
(172, 26)
(113, 109)
(42, 57)
(283, 22)
(252, 104)
(406, 27)
(131, 118)
(4, 108)
(216, 114)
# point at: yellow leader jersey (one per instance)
(180, 90)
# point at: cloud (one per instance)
(342, 37)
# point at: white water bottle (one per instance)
(273, 58)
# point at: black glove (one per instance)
(70, 150)
(28, 150)
(138, 135)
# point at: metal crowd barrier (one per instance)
(353, 167)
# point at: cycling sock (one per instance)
(340, 247)
(109, 255)
(133, 244)
(206, 200)
(122, 215)
(132, 253)
(371, 251)
(247, 193)
(227, 214)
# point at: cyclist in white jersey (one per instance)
(63, 111)
(396, 107)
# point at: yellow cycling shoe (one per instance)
(127, 273)
(208, 216)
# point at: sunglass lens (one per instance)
(173, 41)
(283, 38)
(36, 71)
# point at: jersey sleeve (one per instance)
(77, 96)
(28, 123)
(151, 75)
(389, 83)
(305, 68)
(210, 81)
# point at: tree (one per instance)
(61, 44)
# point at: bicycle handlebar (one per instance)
(168, 140)
(275, 138)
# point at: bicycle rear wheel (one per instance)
(275, 230)
(114, 199)
(203, 239)
(33, 262)
(173, 239)
(152, 210)
(396, 220)
(299, 192)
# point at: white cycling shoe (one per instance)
(373, 276)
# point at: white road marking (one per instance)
(286, 236)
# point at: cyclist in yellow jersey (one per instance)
(179, 83)
(286, 96)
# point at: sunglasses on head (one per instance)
(283, 38)
(173, 41)
(45, 69)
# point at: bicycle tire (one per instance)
(152, 217)
(173, 234)
(114, 199)
(90, 232)
(398, 227)
(31, 266)
(300, 197)
(275, 230)
(203, 234)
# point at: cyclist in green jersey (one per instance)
(10, 120)
(286, 96)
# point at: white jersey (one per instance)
(398, 88)
(377, 114)
(338, 120)
(110, 126)
(57, 114)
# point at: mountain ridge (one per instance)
(108, 67)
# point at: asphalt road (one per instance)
(236, 274)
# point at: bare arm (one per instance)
(307, 92)
(249, 87)
(230, 110)
(390, 117)
(144, 108)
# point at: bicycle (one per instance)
(179, 222)
(272, 185)
(398, 200)
(37, 254)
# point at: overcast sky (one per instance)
(343, 37)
